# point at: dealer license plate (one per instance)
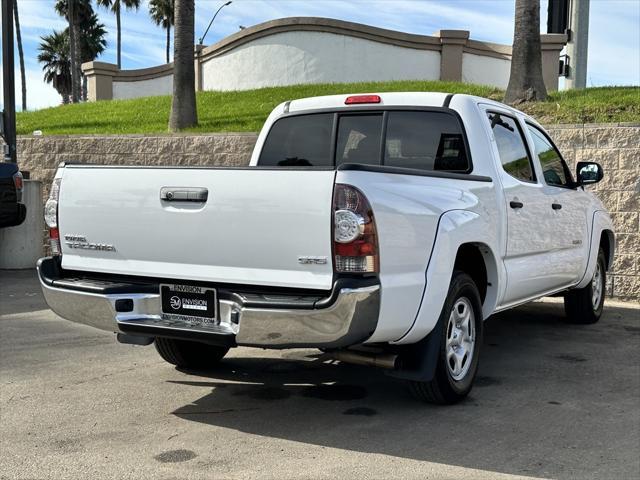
(192, 304)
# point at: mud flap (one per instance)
(418, 361)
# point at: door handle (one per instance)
(184, 194)
(556, 206)
(514, 204)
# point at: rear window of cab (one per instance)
(423, 140)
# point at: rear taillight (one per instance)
(19, 184)
(51, 217)
(355, 239)
(54, 241)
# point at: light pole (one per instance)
(577, 47)
(211, 22)
(8, 123)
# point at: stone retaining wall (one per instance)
(615, 147)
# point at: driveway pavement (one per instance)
(552, 400)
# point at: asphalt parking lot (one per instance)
(552, 400)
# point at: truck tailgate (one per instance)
(251, 229)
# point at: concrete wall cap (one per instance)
(100, 68)
(452, 34)
(319, 24)
(553, 38)
(144, 73)
(487, 48)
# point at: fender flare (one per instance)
(455, 228)
(601, 222)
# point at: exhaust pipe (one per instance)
(380, 360)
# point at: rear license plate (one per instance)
(190, 303)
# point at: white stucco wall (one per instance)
(291, 58)
(143, 88)
(485, 70)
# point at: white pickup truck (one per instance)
(380, 228)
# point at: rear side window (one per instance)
(511, 147)
(359, 138)
(300, 141)
(426, 141)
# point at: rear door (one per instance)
(231, 225)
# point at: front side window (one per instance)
(511, 147)
(426, 141)
(554, 169)
(299, 141)
(359, 138)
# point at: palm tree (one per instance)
(183, 104)
(525, 80)
(73, 11)
(23, 76)
(92, 34)
(74, 49)
(161, 12)
(93, 39)
(116, 6)
(54, 54)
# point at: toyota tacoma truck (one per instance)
(382, 229)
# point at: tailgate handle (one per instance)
(184, 194)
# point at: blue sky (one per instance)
(614, 43)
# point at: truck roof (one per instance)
(388, 99)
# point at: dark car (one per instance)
(12, 212)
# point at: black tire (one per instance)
(186, 354)
(579, 303)
(444, 389)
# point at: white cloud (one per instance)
(39, 94)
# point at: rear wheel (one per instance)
(585, 305)
(461, 319)
(187, 354)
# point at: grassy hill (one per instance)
(246, 110)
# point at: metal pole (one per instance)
(8, 80)
(211, 22)
(578, 44)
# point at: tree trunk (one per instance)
(65, 99)
(183, 105)
(84, 87)
(119, 37)
(74, 51)
(168, 41)
(525, 80)
(23, 76)
(78, 70)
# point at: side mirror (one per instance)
(588, 173)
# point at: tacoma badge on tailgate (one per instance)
(80, 241)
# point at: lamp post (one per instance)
(8, 121)
(211, 22)
(577, 47)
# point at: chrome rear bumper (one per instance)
(349, 319)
